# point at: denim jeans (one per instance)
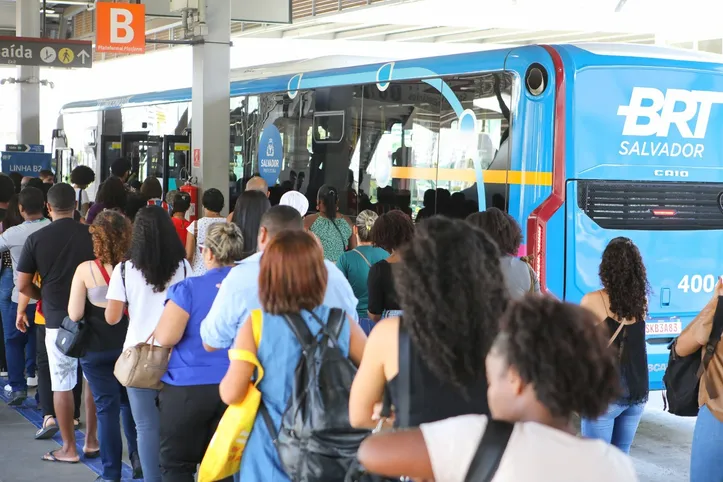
(366, 324)
(148, 425)
(19, 346)
(6, 290)
(706, 458)
(111, 401)
(617, 426)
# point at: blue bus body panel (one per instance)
(633, 113)
(431, 67)
(531, 151)
(646, 122)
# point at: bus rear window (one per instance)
(652, 205)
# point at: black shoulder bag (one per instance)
(491, 448)
(72, 339)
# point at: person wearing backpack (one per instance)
(292, 284)
(548, 362)
(706, 458)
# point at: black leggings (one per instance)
(189, 417)
(45, 391)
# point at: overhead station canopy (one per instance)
(266, 11)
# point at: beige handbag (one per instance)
(143, 365)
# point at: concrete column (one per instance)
(211, 99)
(27, 13)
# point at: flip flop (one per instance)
(47, 431)
(93, 454)
(50, 457)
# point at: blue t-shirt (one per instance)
(355, 265)
(239, 294)
(190, 363)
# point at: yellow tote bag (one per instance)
(223, 455)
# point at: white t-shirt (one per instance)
(84, 199)
(144, 305)
(535, 453)
(199, 268)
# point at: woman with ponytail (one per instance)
(189, 403)
(332, 228)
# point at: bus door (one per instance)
(145, 153)
(110, 150)
(176, 152)
(64, 160)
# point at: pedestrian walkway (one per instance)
(21, 454)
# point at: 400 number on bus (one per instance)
(697, 283)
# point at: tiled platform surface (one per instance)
(20, 453)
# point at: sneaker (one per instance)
(17, 398)
(136, 465)
(33, 381)
(4, 374)
(8, 388)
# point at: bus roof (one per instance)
(348, 70)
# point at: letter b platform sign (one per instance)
(120, 27)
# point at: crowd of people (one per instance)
(445, 326)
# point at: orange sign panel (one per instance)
(120, 27)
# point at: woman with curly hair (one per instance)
(547, 363)
(520, 278)
(432, 359)
(111, 233)
(621, 307)
(391, 232)
(81, 177)
(156, 260)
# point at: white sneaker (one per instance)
(4, 374)
(8, 388)
(33, 382)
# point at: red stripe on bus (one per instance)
(537, 221)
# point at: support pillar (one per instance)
(211, 100)
(27, 13)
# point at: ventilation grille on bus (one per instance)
(652, 205)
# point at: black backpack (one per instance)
(315, 441)
(682, 376)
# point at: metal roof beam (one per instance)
(479, 34)
(379, 31)
(320, 30)
(425, 34)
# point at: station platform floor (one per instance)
(20, 453)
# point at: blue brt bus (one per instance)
(580, 143)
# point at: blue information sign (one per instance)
(26, 163)
(271, 152)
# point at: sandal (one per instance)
(93, 454)
(47, 431)
(76, 423)
(50, 457)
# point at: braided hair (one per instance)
(449, 284)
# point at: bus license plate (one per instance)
(663, 328)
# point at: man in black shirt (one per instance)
(54, 252)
